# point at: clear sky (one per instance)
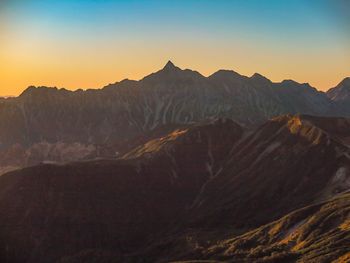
(90, 43)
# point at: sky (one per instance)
(87, 44)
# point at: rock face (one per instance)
(341, 92)
(122, 111)
(212, 177)
(341, 95)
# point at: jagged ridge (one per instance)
(125, 110)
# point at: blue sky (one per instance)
(216, 32)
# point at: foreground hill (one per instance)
(293, 159)
(195, 185)
(289, 162)
(317, 233)
(47, 124)
(51, 211)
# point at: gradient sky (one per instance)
(88, 44)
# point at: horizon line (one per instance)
(171, 64)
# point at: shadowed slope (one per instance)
(287, 163)
(199, 182)
(52, 211)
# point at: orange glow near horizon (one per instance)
(88, 44)
(76, 71)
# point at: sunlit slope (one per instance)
(317, 233)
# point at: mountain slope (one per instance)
(56, 210)
(341, 92)
(341, 95)
(316, 233)
(293, 159)
(289, 162)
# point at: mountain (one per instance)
(290, 158)
(55, 210)
(288, 163)
(173, 197)
(121, 112)
(341, 94)
(19, 156)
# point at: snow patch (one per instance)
(209, 169)
(340, 175)
(174, 174)
(269, 149)
(294, 228)
(272, 147)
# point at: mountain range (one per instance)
(176, 167)
(50, 124)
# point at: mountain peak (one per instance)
(341, 92)
(170, 72)
(169, 65)
(42, 91)
(345, 82)
(223, 73)
(260, 78)
(28, 90)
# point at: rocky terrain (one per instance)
(212, 190)
(316, 233)
(341, 94)
(47, 124)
